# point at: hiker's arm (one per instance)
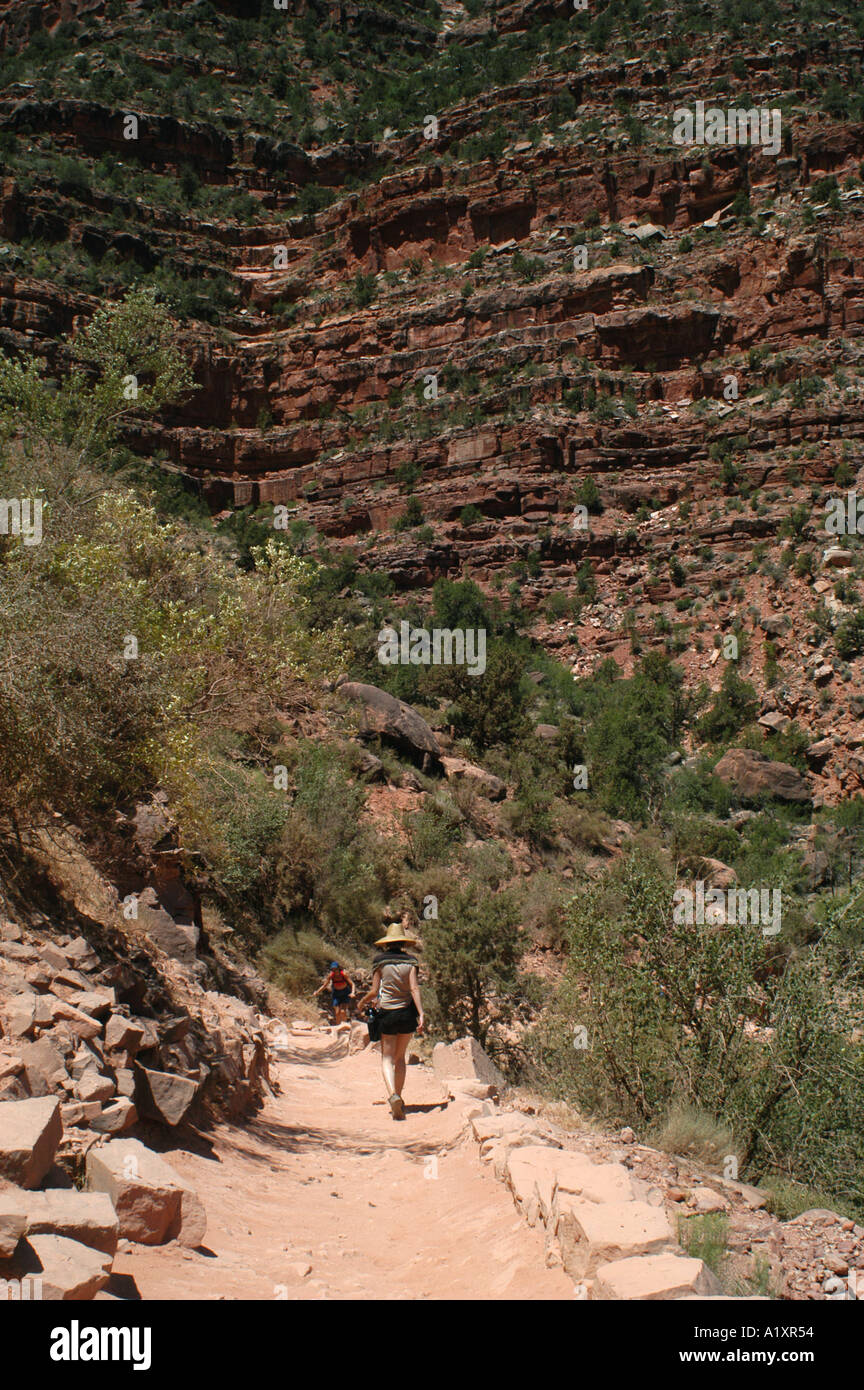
(321, 988)
(415, 995)
(373, 991)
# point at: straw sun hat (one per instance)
(395, 934)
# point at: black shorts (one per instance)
(402, 1020)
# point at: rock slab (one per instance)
(152, 1202)
(30, 1131)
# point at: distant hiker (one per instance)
(341, 990)
(399, 1010)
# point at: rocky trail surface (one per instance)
(323, 1195)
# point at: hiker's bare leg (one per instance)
(402, 1041)
(388, 1060)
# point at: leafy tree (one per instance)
(631, 735)
(472, 952)
(734, 705)
(125, 363)
(490, 707)
(587, 495)
(460, 603)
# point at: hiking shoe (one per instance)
(396, 1107)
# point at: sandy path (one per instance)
(323, 1195)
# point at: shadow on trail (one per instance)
(304, 1139)
(331, 1051)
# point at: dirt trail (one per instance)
(323, 1195)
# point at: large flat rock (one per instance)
(87, 1217)
(59, 1269)
(594, 1233)
(538, 1173)
(753, 775)
(663, 1276)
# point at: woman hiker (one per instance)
(394, 986)
(341, 990)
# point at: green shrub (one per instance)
(717, 1019)
(849, 637)
(364, 290)
(735, 704)
(472, 953)
(470, 515)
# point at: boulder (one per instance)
(75, 1019)
(717, 874)
(817, 866)
(775, 722)
(531, 1175)
(92, 1086)
(164, 1095)
(593, 1233)
(116, 1118)
(125, 1081)
(817, 754)
(465, 1060)
(44, 1067)
(30, 1131)
(61, 1269)
(123, 1034)
(705, 1199)
(464, 1089)
(22, 1014)
(370, 767)
(81, 954)
(52, 956)
(95, 1002)
(836, 557)
(392, 720)
(484, 783)
(77, 1114)
(579, 1176)
(662, 1276)
(753, 775)
(153, 1204)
